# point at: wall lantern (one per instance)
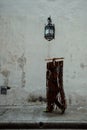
(49, 30)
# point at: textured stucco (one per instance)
(23, 49)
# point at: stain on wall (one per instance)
(82, 65)
(22, 61)
(6, 74)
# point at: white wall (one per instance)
(23, 48)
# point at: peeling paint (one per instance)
(6, 74)
(71, 57)
(70, 100)
(23, 81)
(22, 61)
(82, 65)
(13, 58)
(0, 67)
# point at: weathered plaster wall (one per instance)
(23, 48)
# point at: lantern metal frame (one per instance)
(49, 30)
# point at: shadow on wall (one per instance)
(33, 98)
(72, 99)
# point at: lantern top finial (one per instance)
(49, 20)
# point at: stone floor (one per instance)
(34, 112)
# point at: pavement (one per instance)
(34, 113)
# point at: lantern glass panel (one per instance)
(47, 31)
(51, 31)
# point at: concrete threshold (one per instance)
(44, 125)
